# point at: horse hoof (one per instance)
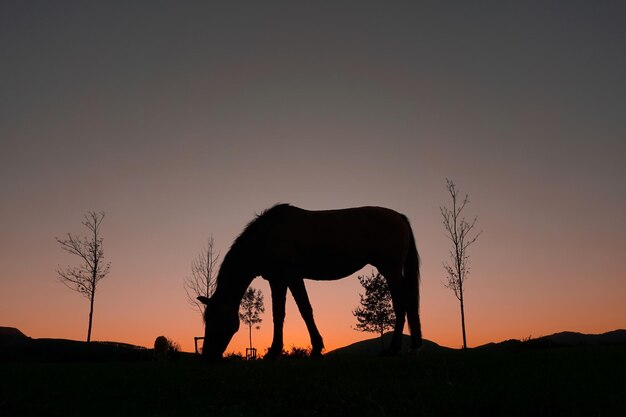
(316, 355)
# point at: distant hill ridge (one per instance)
(373, 346)
(16, 346)
(11, 335)
(615, 337)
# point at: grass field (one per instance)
(573, 381)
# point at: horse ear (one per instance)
(204, 300)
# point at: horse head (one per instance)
(220, 324)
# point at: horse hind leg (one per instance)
(394, 281)
(298, 290)
(411, 294)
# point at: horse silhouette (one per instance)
(286, 244)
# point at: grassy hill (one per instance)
(374, 346)
(577, 380)
(11, 335)
(615, 337)
(15, 346)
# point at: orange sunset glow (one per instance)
(182, 122)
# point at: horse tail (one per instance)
(411, 284)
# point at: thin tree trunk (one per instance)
(250, 334)
(90, 317)
(94, 276)
(463, 322)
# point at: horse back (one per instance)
(336, 243)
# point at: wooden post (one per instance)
(250, 354)
(195, 341)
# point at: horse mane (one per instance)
(260, 222)
(256, 227)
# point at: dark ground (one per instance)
(498, 381)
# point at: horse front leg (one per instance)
(279, 296)
(298, 290)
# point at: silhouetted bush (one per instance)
(165, 348)
(234, 356)
(297, 352)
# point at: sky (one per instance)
(182, 120)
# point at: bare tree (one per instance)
(461, 234)
(251, 308)
(84, 278)
(375, 313)
(203, 276)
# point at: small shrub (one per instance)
(297, 352)
(174, 346)
(165, 348)
(234, 356)
(294, 352)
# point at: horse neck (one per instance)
(232, 283)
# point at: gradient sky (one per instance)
(184, 119)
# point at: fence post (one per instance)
(250, 354)
(195, 341)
